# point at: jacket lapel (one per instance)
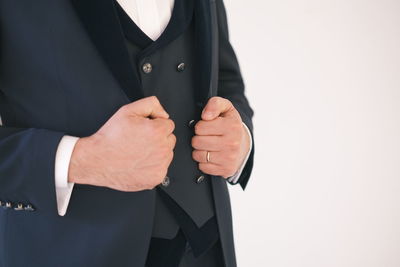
(207, 52)
(100, 19)
(214, 55)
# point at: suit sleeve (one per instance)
(27, 163)
(27, 158)
(231, 85)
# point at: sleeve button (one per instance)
(19, 207)
(29, 208)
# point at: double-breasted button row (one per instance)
(16, 206)
(167, 180)
(147, 67)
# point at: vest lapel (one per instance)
(181, 18)
(101, 22)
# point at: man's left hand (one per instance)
(221, 133)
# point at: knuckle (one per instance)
(236, 144)
(123, 109)
(123, 188)
(161, 177)
(195, 141)
(127, 188)
(171, 157)
(174, 141)
(141, 185)
(231, 157)
(154, 182)
(172, 124)
(165, 161)
(198, 126)
(202, 167)
(237, 126)
(154, 99)
(233, 144)
(196, 129)
(216, 99)
(225, 173)
(150, 184)
(164, 150)
(230, 171)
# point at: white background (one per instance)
(323, 77)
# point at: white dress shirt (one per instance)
(152, 16)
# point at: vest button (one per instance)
(180, 67)
(166, 181)
(147, 67)
(191, 123)
(200, 179)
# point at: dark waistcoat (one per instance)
(166, 68)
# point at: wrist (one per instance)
(78, 169)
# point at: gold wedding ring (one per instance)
(208, 156)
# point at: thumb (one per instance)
(215, 107)
(148, 107)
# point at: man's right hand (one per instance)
(130, 152)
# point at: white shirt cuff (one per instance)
(63, 187)
(234, 178)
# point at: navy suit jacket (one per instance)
(64, 71)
